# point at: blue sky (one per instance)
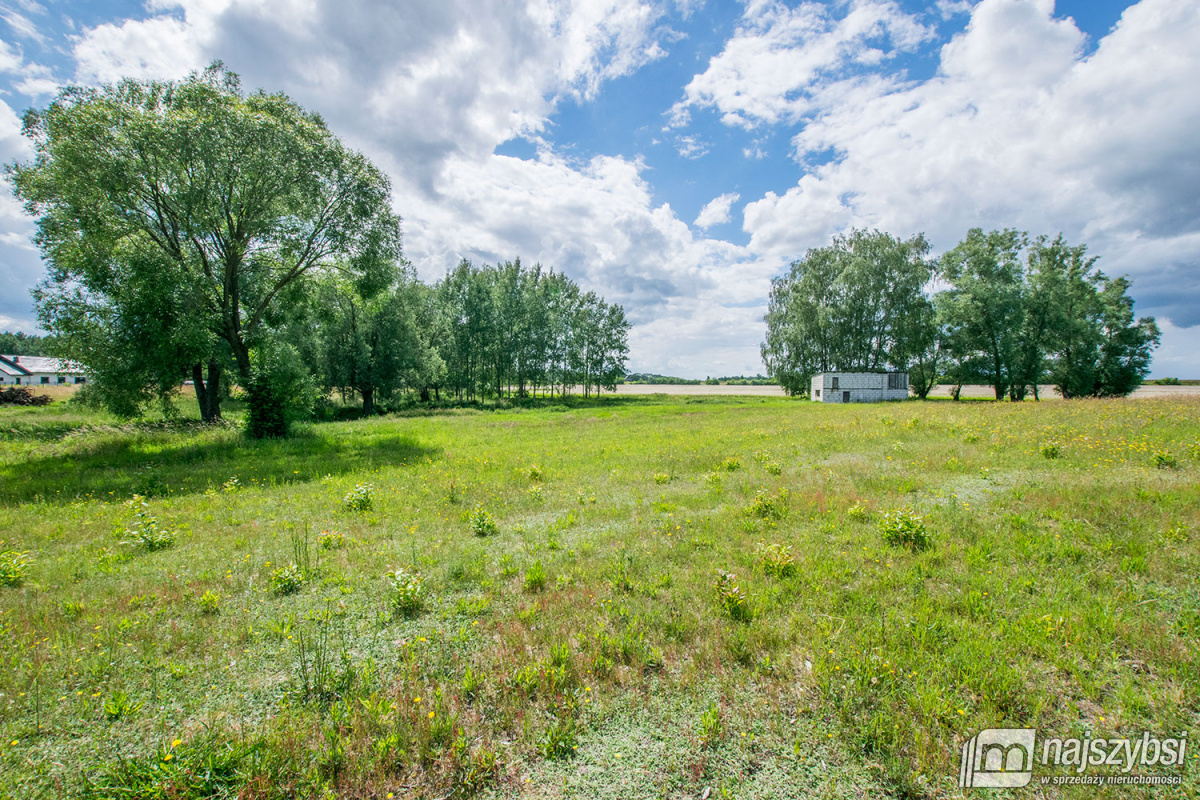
(676, 156)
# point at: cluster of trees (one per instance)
(192, 230)
(654, 379)
(16, 343)
(514, 329)
(1000, 309)
(491, 331)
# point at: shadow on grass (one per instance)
(118, 464)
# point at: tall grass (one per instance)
(591, 644)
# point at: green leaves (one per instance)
(176, 215)
(857, 304)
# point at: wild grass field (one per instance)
(635, 597)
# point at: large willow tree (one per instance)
(858, 304)
(176, 216)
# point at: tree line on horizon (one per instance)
(999, 309)
(193, 230)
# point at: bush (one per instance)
(711, 727)
(558, 740)
(1051, 450)
(777, 560)
(1164, 459)
(482, 524)
(331, 540)
(732, 598)
(408, 592)
(360, 498)
(280, 390)
(145, 530)
(287, 580)
(768, 506)
(12, 568)
(210, 603)
(535, 577)
(904, 529)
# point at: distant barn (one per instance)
(39, 371)
(859, 387)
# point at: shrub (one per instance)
(118, 705)
(558, 740)
(732, 598)
(331, 540)
(482, 523)
(768, 506)
(280, 390)
(777, 560)
(12, 568)
(711, 727)
(210, 603)
(408, 592)
(145, 530)
(287, 579)
(471, 683)
(360, 498)
(535, 577)
(904, 529)
(1164, 459)
(1051, 450)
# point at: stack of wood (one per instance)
(22, 396)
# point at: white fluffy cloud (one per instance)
(1019, 129)
(717, 211)
(767, 72)
(429, 90)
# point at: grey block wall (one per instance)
(864, 387)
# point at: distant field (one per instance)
(636, 597)
(1048, 392)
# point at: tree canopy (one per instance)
(1009, 311)
(857, 304)
(176, 216)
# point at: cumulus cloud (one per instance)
(1019, 129)
(18, 259)
(717, 211)
(779, 56)
(429, 90)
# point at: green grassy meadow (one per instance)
(626, 598)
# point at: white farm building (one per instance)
(38, 371)
(859, 387)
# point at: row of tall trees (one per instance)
(490, 331)
(999, 308)
(193, 230)
(512, 329)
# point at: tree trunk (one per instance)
(208, 393)
(368, 402)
